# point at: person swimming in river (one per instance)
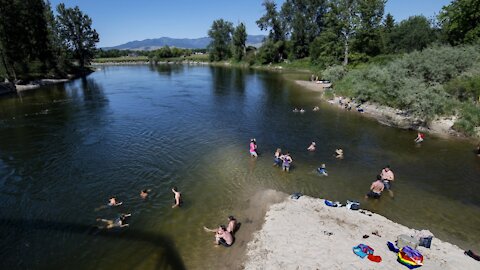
(302, 110)
(295, 110)
(420, 137)
(177, 198)
(144, 193)
(113, 202)
(311, 148)
(339, 153)
(119, 222)
(253, 148)
(316, 108)
(322, 170)
(276, 157)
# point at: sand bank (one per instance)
(442, 126)
(307, 234)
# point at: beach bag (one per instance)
(353, 205)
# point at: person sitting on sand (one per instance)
(287, 161)
(376, 188)
(253, 148)
(116, 223)
(322, 170)
(387, 177)
(276, 157)
(144, 193)
(311, 148)
(339, 153)
(420, 137)
(177, 197)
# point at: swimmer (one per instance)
(287, 161)
(276, 157)
(177, 197)
(253, 148)
(302, 110)
(311, 148)
(295, 110)
(119, 222)
(339, 153)
(478, 150)
(113, 202)
(322, 170)
(316, 108)
(144, 193)
(420, 137)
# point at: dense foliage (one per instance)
(34, 43)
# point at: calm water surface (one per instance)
(66, 148)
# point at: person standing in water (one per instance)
(287, 161)
(177, 197)
(276, 157)
(420, 137)
(387, 177)
(376, 189)
(253, 148)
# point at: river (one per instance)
(65, 149)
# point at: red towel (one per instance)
(374, 258)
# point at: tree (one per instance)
(368, 37)
(343, 18)
(414, 33)
(461, 21)
(221, 35)
(271, 20)
(76, 31)
(239, 40)
(304, 19)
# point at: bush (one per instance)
(334, 73)
(469, 119)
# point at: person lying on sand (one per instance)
(116, 223)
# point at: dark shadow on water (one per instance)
(170, 258)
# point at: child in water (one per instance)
(311, 148)
(322, 170)
(420, 137)
(253, 148)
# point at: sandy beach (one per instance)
(307, 234)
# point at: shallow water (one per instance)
(66, 148)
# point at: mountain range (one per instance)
(185, 43)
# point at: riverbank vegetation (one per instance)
(427, 67)
(34, 43)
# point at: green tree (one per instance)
(414, 33)
(271, 21)
(388, 26)
(461, 21)
(239, 40)
(221, 35)
(304, 20)
(344, 19)
(77, 33)
(368, 38)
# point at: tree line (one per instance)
(34, 43)
(333, 32)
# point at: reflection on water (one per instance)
(66, 148)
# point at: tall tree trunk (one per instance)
(345, 56)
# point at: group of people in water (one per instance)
(121, 220)
(383, 182)
(224, 235)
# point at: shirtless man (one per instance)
(113, 202)
(387, 177)
(223, 237)
(311, 148)
(144, 193)
(376, 189)
(177, 197)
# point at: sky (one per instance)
(121, 21)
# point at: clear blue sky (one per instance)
(120, 21)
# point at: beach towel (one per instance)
(363, 250)
(374, 258)
(392, 247)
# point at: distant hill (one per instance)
(186, 43)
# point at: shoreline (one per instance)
(307, 234)
(441, 126)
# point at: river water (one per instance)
(65, 149)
